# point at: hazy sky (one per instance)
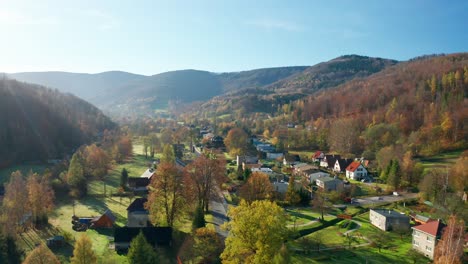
(149, 37)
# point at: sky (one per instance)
(150, 37)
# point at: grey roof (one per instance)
(390, 213)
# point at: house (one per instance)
(420, 219)
(246, 159)
(137, 214)
(341, 164)
(291, 159)
(388, 220)
(304, 169)
(329, 161)
(318, 156)
(148, 173)
(425, 237)
(314, 176)
(106, 220)
(251, 167)
(356, 171)
(280, 186)
(273, 156)
(138, 184)
(329, 184)
(156, 236)
(262, 170)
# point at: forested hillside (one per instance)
(39, 123)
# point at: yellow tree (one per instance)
(83, 252)
(40, 196)
(41, 255)
(450, 247)
(15, 204)
(166, 200)
(236, 141)
(256, 233)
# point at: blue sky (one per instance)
(149, 37)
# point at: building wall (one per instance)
(424, 243)
(358, 174)
(137, 220)
(378, 220)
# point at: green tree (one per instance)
(394, 175)
(83, 252)
(41, 255)
(168, 154)
(207, 245)
(199, 218)
(292, 196)
(75, 176)
(257, 232)
(141, 252)
(123, 177)
(9, 251)
(283, 256)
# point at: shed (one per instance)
(106, 220)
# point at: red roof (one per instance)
(353, 166)
(432, 228)
(317, 154)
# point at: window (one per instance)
(416, 234)
(415, 243)
(429, 238)
(428, 248)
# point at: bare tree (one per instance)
(450, 247)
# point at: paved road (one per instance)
(385, 198)
(218, 208)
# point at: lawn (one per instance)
(394, 252)
(5, 173)
(441, 161)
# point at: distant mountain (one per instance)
(232, 81)
(84, 85)
(39, 123)
(308, 81)
(130, 93)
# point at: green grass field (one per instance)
(441, 161)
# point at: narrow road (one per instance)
(218, 208)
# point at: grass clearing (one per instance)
(440, 161)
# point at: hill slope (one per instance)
(40, 123)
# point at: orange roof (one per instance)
(317, 154)
(353, 166)
(432, 228)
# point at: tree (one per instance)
(283, 256)
(459, 173)
(166, 200)
(168, 154)
(123, 178)
(199, 218)
(15, 204)
(236, 141)
(75, 176)
(40, 197)
(292, 196)
(350, 240)
(122, 149)
(320, 203)
(257, 187)
(394, 174)
(414, 255)
(202, 177)
(9, 251)
(141, 252)
(379, 239)
(344, 136)
(257, 232)
(207, 245)
(41, 255)
(83, 252)
(450, 247)
(96, 161)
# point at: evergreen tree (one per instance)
(141, 252)
(199, 218)
(394, 175)
(123, 177)
(83, 252)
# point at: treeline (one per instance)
(40, 123)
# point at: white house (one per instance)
(356, 171)
(314, 176)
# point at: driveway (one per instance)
(385, 198)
